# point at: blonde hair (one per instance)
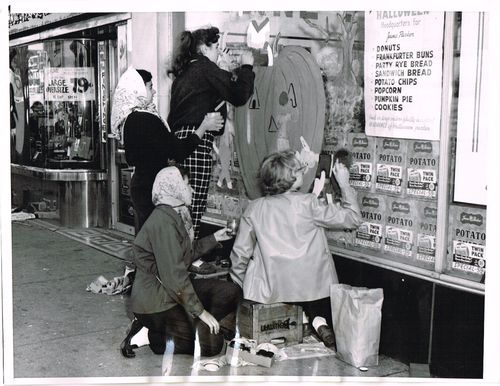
(277, 172)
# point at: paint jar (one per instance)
(232, 226)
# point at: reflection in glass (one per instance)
(53, 104)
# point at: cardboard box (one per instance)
(268, 322)
(261, 360)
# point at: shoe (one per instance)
(227, 333)
(126, 348)
(327, 335)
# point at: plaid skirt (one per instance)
(199, 165)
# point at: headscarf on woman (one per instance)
(169, 189)
(130, 95)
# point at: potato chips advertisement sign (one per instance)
(370, 232)
(69, 84)
(467, 241)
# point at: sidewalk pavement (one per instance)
(62, 330)
(59, 328)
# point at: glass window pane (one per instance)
(54, 119)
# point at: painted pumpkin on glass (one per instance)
(288, 102)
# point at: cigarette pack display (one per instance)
(264, 322)
(422, 160)
(399, 227)
(466, 242)
(426, 232)
(390, 164)
(369, 234)
(362, 149)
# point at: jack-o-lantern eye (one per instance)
(283, 98)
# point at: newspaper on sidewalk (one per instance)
(115, 286)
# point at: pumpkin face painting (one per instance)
(288, 103)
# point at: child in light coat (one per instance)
(281, 253)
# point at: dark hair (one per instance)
(145, 75)
(344, 157)
(36, 105)
(183, 170)
(277, 172)
(187, 47)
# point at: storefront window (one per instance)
(54, 104)
(467, 213)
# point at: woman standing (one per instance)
(167, 303)
(200, 87)
(149, 143)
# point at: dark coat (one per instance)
(163, 252)
(149, 145)
(202, 86)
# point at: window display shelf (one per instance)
(376, 259)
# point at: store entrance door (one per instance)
(119, 173)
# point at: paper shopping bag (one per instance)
(357, 318)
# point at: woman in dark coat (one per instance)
(149, 143)
(168, 304)
(200, 87)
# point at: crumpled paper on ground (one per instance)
(210, 364)
(310, 348)
(115, 286)
(214, 364)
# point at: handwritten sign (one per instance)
(69, 84)
(403, 73)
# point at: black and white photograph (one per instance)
(302, 192)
